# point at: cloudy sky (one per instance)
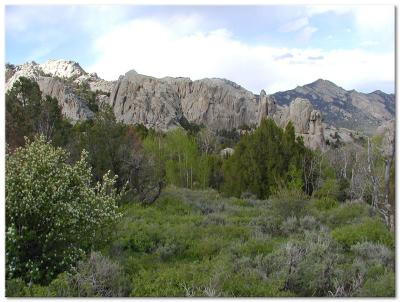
(260, 47)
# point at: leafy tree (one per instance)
(54, 212)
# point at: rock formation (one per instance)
(162, 103)
(56, 78)
(72, 106)
(306, 120)
(167, 103)
(267, 106)
(342, 108)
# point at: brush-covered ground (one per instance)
(198, 243)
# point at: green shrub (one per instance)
(15, 288)
(54, 213)
(146, 239)
(288, 203)
(381, 286)
(251, 285)
(369, 230)
(325, 203)
(345, 214)
(256, 247)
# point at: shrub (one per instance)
(268, 225)
(346, 213)
(306, 266)
(53, 212)
(373, 252)
(214, 218)
(15, 287)
(382, 286)
(308, 223)
(288, 203)
(290, 226)
(99, 276)
(369, 230)
(325, 203)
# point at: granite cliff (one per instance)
(318, 111)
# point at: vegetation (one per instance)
(265, 160)
(105, 209)
(54, 212)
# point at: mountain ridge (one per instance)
(215, 102)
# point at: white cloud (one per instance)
(161, 48)
(375, 17)
(306, 33)
(295, 25)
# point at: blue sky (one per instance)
(259, 47)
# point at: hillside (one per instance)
(343, 108)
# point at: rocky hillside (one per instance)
(167, 103)
(343, 108)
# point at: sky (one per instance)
(274, 48)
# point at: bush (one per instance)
(268, 225)
(306, 267)
(15, 288)
(53, 212)
(370, 252)
(100, 277)
(288, 203)
(344, 214)
(290, 226)
(370, 230)
(325, 203)
(382, 286)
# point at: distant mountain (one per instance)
(166, 103)
(344, 108)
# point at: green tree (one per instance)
(28, 114)
(54, 212)
(265, 160)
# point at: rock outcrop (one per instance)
(162, 103)
(167, 103)
(306, 120)
(56, 78)
(142, 99)
(267, 106)
(72, 106)
(344, 108)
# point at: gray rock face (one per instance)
(306, 120)
(141, 99)
(72, 106)
(298, 112)
(344, 109)
(161, 103)
(267, 106)
(49, 78)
